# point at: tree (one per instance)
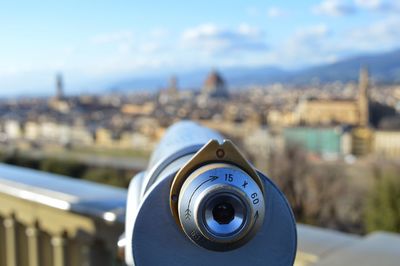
(289, 170)
(314, 190)
(383, 203)
(63, 167)
(109, 176)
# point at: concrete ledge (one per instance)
(324, 247)
(66, 193)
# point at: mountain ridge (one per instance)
(384, 68)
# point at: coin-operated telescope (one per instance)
(200, 202)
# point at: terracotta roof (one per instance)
(214, 79)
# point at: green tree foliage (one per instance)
(65, 167)
(20, 160)
(383, 204)
(290, 171)
(71, 168)
(317, 193)
(118, 178)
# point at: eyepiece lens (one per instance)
(223, 213)
(220, 213)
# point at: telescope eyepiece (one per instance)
(202, 198)
(220, 207)
(223, 212)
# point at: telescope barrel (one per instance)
(199, 187)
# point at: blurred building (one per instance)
(363, 99)
(215, 87)
(59, 87)
(173, 86)
(13, 128)
(337, 111)
(145, 109)
(262, 143)
(283, 118)
(171, 93)
(105, 137)
(32, 130)
(328, 142)
(81, 135)
(387, 143)
(59, 102)
(362, 140)
(387, 138)
(237, 131)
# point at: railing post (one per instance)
(61, 231)
(33, 250)
(58, 243)
(85, 254)
(10, 236)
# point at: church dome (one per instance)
(214, 86)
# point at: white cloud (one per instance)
(319, 44)
(211, 39)
(247, 31)
(307, 46)
(380, 35)
(125, 42)
(334, 8)
(275, 12)
(313, 32)
(121, 41)
(370, 4)
(378, 5)
(149, 47)
(347, 7)
(159, 33)
(125, 52)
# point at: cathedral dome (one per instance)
(214, 86)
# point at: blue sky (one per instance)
(95, 42)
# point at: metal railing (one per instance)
(48, 219)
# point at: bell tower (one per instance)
(363, 97)
(59, 87)
(362, 136)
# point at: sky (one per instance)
(93, 43)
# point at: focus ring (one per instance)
(220, 207)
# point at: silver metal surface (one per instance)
(180, 136)
(181, 139)
(222, 215)
(132, 208)
(64, 193)
(216, 186)
(252, 226)
(156, 240)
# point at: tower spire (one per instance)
(173, 85)
(363, 97)
(59, 87)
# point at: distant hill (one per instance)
(235, 76)
(384, 68)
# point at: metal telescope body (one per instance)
(201, 203)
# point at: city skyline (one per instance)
(272, 120)
(92, 44)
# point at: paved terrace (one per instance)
(48, 219)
